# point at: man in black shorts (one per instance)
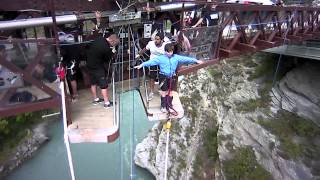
(99, 53)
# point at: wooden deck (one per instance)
(157, 115)
(91, 123)
(154, 106)
(94, 123)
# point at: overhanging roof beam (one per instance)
(47, 21)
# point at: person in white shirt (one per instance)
(156, 48)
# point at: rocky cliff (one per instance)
(235, 128)
(26, 148)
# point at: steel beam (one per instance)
(28, 77)
(188, 69)
(29, 107)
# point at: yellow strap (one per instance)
(168, 125)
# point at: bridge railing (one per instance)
(250, 28)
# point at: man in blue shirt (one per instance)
(168, 64)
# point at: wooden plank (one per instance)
(157, 115)
(91, 123)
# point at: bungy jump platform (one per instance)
(93, 123)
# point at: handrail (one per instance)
(65, 130)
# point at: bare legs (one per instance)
(104, 93)
(94, 91)
(151, 84)
(74, 88)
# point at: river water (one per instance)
(92, 161)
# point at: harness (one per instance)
(72, 67)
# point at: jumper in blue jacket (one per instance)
(168, 65)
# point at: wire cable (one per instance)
(167, 127)
(279, 62)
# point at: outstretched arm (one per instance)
(151, 62)
(186, 59)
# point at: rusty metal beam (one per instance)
(28, 77)
(188, 69)
(29, 107)
(296, 31)
(255, 38)
(272, 36)
(227, 21)
(245, 47)
(264, 44)
(295, 38)
(228, 53)
(234, 41)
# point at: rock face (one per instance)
(224, 95)
(299, 92)
(35, 138)
(184, 137)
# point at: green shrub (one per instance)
(265, 67)
(244, 166)
(15, 128)
(292, 149)
(286, 125)
(214, 72)
(262, 102)
(211, 143)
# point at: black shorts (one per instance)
(98, 77)
(166, 83)
(72, 74)
(153, 72)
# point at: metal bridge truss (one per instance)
(250, 28)
(241, 29)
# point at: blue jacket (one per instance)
(168, 65)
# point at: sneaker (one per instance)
(97, 101)
(108, 105)
(163, 109)
(150, 96)
(74, 100)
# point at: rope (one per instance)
(278, 65)
(65, 130)
(116, 73)
(132, 175)
(280, 57)
(167, 126)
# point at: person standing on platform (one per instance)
(99, 53)
(71, 57)
(168, 64)
(156, 48)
